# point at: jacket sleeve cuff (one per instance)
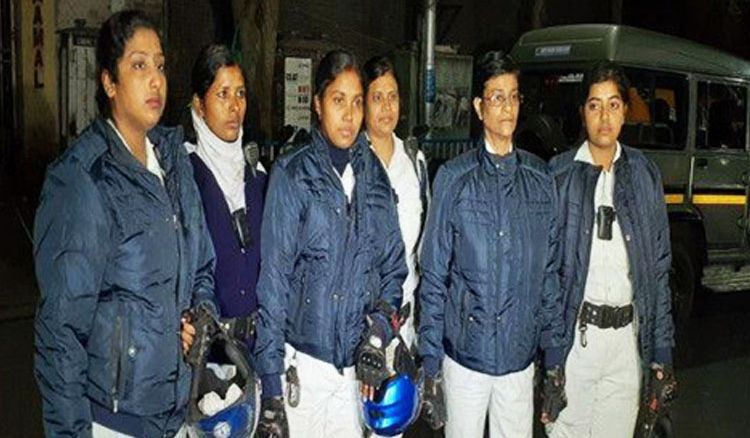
(553, 357)
(431, 365)
(271, 385)
(663, 355)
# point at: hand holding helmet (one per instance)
(371, 365)
(199, 325)
(394, 406)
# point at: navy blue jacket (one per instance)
(326, 264)
(489, 292)
(118, 258)
(237, 269)
(642, 214)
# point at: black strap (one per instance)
(420, 167)
(411, 147)
(241, 327)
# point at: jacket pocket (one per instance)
(115, 364)
(464, 319)
(301, 299)
(121, 364)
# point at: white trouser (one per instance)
(602, 386)
(469, 395)
(99, 431)
(329, 402)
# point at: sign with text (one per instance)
(297, 92)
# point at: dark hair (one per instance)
(603, 72)
(376, 67)
(332, 64)
(209, 61)
(488, 66)
(110, 46)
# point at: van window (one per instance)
(657, 115)
(721, 116)
(557, 95)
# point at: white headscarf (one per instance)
(225, 161)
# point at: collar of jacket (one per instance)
(505, 165)
(166, 143)
(320, 144)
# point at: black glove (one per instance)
(662, 386)
(659, 392)
(371, 366)
(204, 321)
(272, 422)
(433, 402)
(553, 393)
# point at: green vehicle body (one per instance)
(691, 119)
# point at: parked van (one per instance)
(688, 112)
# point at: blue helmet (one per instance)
(237, 420)
(395, 407)
(398, 400)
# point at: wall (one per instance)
(93, 12)
(366, 27)
(38, 81)
(190, 26)
(306, 29)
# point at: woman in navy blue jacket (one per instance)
(489, 293)
(121, 250)
(332, 268)
(614, 273)
(232, 189)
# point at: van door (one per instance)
(720, 163)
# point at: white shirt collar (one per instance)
(152, 163)
(584, 153)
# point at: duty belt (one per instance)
(604, 317)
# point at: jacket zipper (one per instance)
(178, 243)
(116, 371)
(176, 224)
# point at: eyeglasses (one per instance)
(498, 99)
